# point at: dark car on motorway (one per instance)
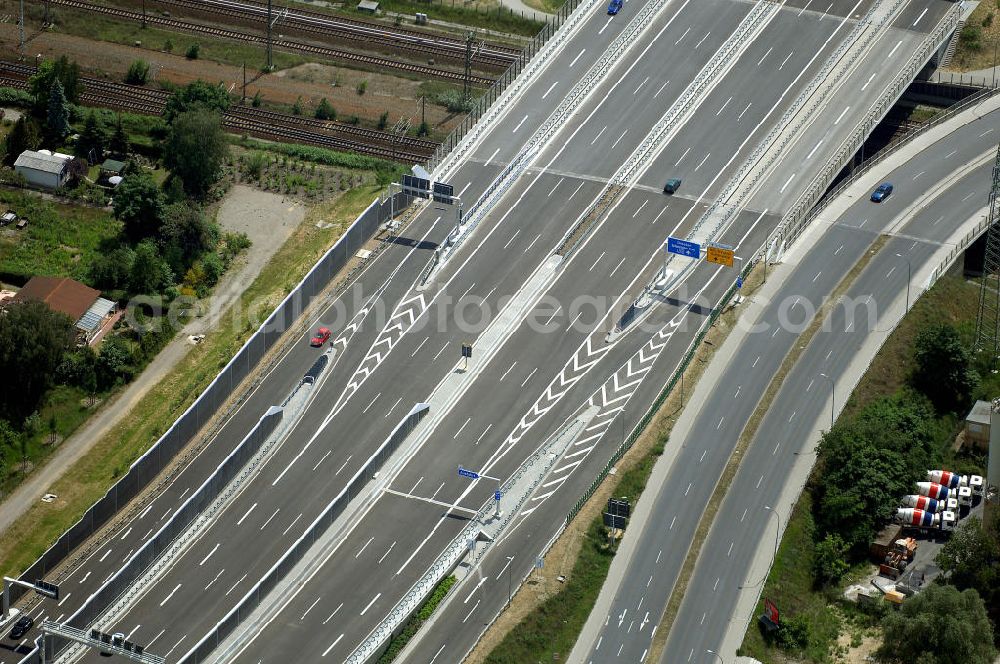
(615, 6)
(672, 185)
(21, 627)
(882, 192)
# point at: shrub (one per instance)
(325, 111)
(192, 52)
(168, 46)
(988, 20)
(383, 120)
(971, 38)
(138, 73)
(362, 87)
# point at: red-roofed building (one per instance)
(84, 305)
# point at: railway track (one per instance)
(284, 44)
(490, 55)
(255, 121)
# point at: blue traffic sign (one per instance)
(739, 282)
(471, 474)
(496, 495)
(683, 247)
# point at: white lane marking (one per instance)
(841, 116)
(509, 561)
(744, 111)
(84, 578)
(759, 481)
(469, 614)
(755, 362)
(310, 608)
(661, 89)
(765, 55)
(575, 192)
(393, 406)
(678, 162)
(439, 352)
(577, 57)
(921, 15)
(870, 79)
(702, 40)
(838, 250)
(605, 26)
(336, 641)
(461, 429)
(550, 89)
(817, 276)
(615, 144)
(509, 369)
(512, 237)
(803, 10)
(329, 452)
(785, 61)
(532, 244)
(721, 420)
(214, 580)
(660, 213)
(171, 594)
(918, 174)
(552, 191)
(205, 559)
(294, 521)
(156, 637)
(488, 426)
(813, 151)
(482, 580)
(723, 107)
(434, 495)
(702, 162)
(682, 36)
(462, 191)
(270, 517)
(127, 533)
(252, 508)
(421, 345)
(898, 44)
(106, 554)
(495, 153)
(434, 658)
(597, 261)
(343, 465)
(787, 182)
(645, 80)
(612, 273)
(362, 550)
(63, 600)
(525, 382)
(523, 120)
(952, 153)
(971, 194)
(330, 617)
(371, 403)
(601, 132)
(387, 552)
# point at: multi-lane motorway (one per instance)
(742, 523)
(545, 367)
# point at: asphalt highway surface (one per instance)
(396, 352)
(742, 522)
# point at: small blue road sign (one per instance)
(739, 282)
(683, 247)
(471, 474)
(496, 495)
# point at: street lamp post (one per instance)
(909, 272)
(777, 539)
(833, 397)
(712, 652)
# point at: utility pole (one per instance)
(423, 109)
(143, 14)
(243, 100)
(20, 25)
(466, 92)
(270, 25)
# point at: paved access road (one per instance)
(355, 409)
(742, 523)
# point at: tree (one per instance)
(943, 368)
(325, 111)
(196, 149)
(57, 125)
(939, 625)
(138, 73)
(198, 95)
(258, 100)
(297, 106)
(971, 559)
(78, 169)
(114, 362)
(63, 70)
(119, 140)
(383, 120)
(139, 204)
(92, 139)
(112, 270)
(33, 339)
(24, 135)
(185, 235)
(192, 52)
(149, 271)
(829, 563)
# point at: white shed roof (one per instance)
(40, 161)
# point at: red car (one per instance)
(322, 336)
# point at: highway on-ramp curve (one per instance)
(626, 629)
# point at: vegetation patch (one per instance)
(414, 624)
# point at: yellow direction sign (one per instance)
(720, 254)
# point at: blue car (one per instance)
(882, 192)
(615, 7)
